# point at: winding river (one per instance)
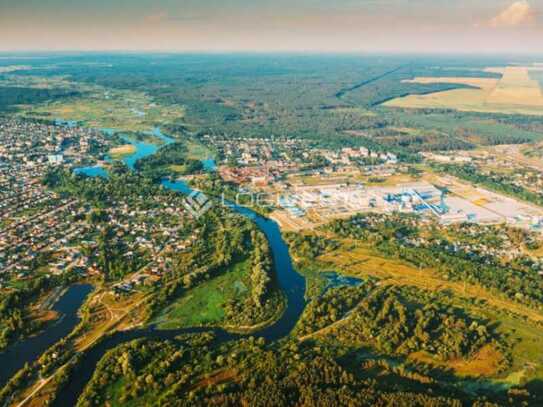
(290, 282)
(28, 350)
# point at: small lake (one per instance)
(334, 280)
(94, 171)
(28, 350)
(143, 149)
(209, 165)
(66, 123)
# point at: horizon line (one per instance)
(269, 52)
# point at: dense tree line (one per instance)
(394, 236)
(309, 246)
(331, 307)
(261, 271)
(111, 255)
(158, 164)
(14, 321)
(11, 96)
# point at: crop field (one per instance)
(515, 93)
(516, 88)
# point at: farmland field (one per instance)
(515, 93)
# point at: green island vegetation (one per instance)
(226, 279)
(170, 158)
(121, 151)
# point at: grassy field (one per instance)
(198, 151)
(359, 260)
(514, 93)
(118, 110)
(204, 304)
(520, 324)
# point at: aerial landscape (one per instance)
(271, 203)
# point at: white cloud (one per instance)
(518, 14)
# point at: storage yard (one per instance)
(310, 206)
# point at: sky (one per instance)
(425, 26)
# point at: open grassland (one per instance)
(521, 325)
(360, 260)
(197, 151)
(118, 110)
(515, 93)
(485, 363)
(204, 305)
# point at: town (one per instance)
(43, 232)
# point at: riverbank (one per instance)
(118, 153)
(289, 282)
(27, 351)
